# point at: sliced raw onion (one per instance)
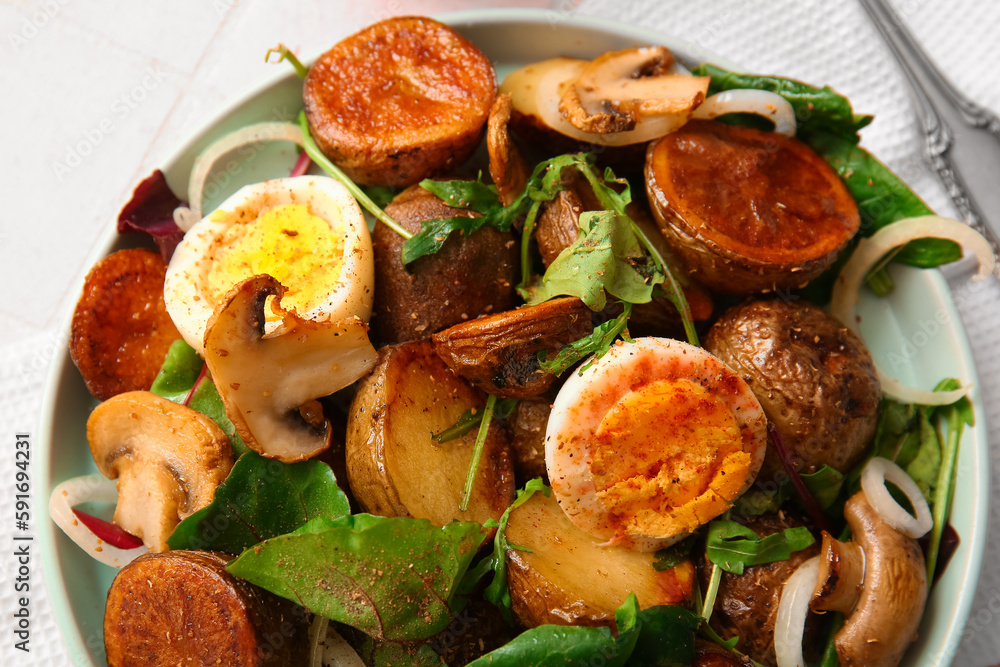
(328, 648)
(873, 479)
(870, 251)
(764, 103)
(251, 134)
(790, 622)
(89, 488)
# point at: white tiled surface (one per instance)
(95, 93)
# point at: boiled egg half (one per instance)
(654, 439)
(307, 232)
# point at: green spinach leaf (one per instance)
(392, 578)
(261, 499)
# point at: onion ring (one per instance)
(790, 622)
(870, 251)
(763, 103)
(85, 489)
(185, 217)
(873, 478)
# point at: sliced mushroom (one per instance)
(270, 384)
(508, 169)
(892, 593)
(168, 460)
(618, 89)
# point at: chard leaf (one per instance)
(606, 259)
(733, 546)
(261, 499)
(559, 645)
(666, 637)
(825, 485)
(597, 343)
(392, 578)
(181, 369)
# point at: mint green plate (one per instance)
(916, 333)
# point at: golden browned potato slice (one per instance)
(499, 353)
(399, 101)
(183, 608)
(748, 211)
(468, 277)
(396, 468)
(121, 330)
(569, 578)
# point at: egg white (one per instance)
(586, 398)
(185, 291)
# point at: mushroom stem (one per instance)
(841, 572)
(885, 619)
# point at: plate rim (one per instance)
(48, 533)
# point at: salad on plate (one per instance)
(560, 369)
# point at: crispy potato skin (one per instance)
(394, 466)
(747, 604)
(568, 578)
(813, 376)
(399, 101)
(508, 169)
(466, 278)
(182, 607)
(499, 353)
(527, 437)
(748, 211)
(121, 330)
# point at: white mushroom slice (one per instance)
(168, 460)
(618, 89)
(269, 383)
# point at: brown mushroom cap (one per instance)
(168, 460)
(269, 383)
(893, 594)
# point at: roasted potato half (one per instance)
(182, 607)
(468, 277)
(527, 437)
(499, 353)
(121, 330)
(394, 465)
(399, 101)
(569, 578)
(748, 211)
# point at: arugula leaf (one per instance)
(607, 258)
(675, 554)
(472, 418)
(926, 464)
(181, 369)
(259, 500)
(597, 343)
(733, 546)
(392, 578)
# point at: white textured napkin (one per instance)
(208, 46)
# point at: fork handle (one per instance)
(962, 138)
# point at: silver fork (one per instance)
(962, 138)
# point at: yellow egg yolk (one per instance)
(667, 453)
(301, 250)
